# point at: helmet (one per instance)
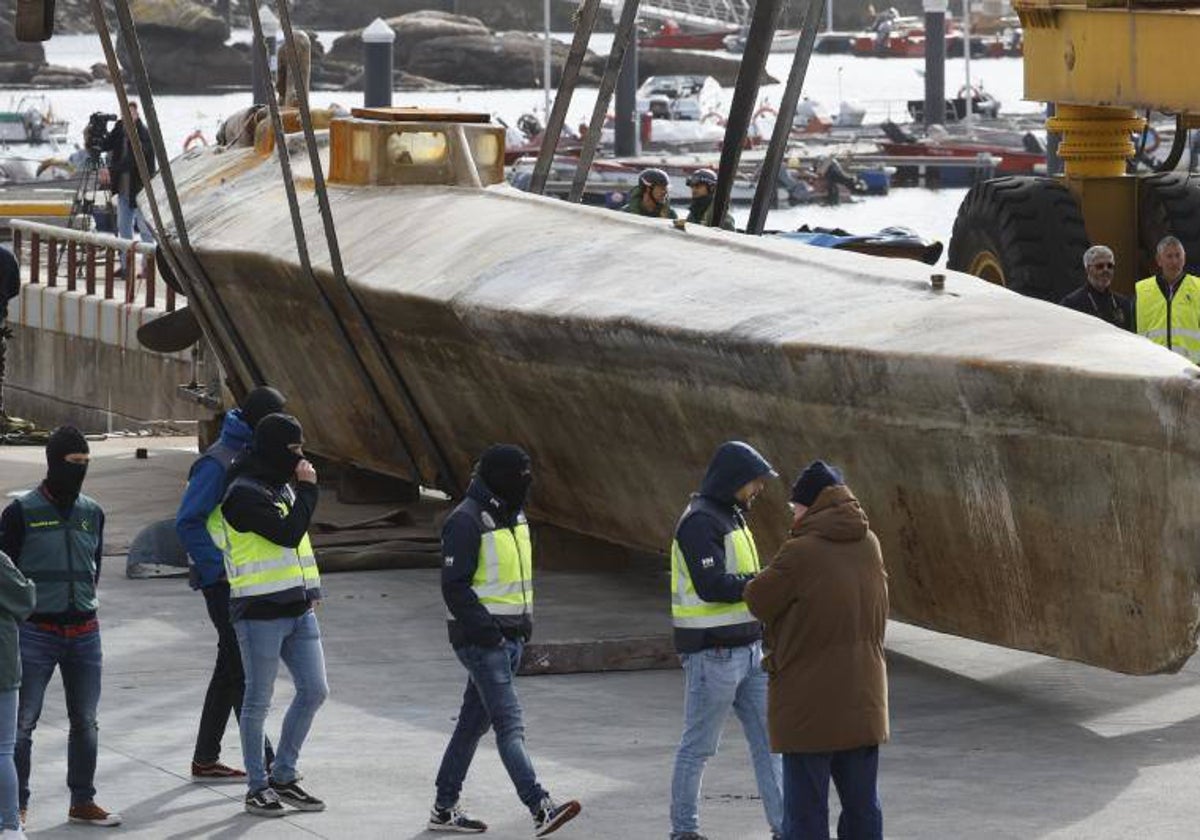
(653, 178)
(702, 176)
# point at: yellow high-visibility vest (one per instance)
(503, 580)
(689, 610)
(256, 566)
(1180, 331)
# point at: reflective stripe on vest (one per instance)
(256, 566)
(689, 610)
(1182, 334)
(503, 580)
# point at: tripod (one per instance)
(84, 201)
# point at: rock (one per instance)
(16, 72)
(498, 14)
(506, 60)
(187, 16)
(12, 50)
(100, 72)
(411, 30)
(50, 75)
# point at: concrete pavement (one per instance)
(987, 743)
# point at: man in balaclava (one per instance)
(261, 528)
(487, 584)
(205, 487)
(713, 556)
(44, 531)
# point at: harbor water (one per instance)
(881, 86)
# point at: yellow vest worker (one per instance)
(1175, 322)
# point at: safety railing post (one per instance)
(72, 265)
(89, 258)
(109, 273)
(35, 259)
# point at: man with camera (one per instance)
(121, 175)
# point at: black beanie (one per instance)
(816, 477)
(507, 471)
(260, 402)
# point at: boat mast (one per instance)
(966, 25)
(546, 58)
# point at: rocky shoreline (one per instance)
(486, 44)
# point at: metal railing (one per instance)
(704, 13)
(88, 262)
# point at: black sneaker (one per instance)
(264, 803)
(549, 817)
(692, 835)
(453, 819)
(290, 793)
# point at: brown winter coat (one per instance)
(823, 603)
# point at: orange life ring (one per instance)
(763, 110)
(713, 116)
(193, 138)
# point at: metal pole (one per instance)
(616, 56)
(754, 61)
(584, 24)
(627, 128)
(829, 16)
(234, 355)
(935, 62)
(966, 13)
(768, 176)
(546, 55)
(447, 479)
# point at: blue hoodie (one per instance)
(205, 489)
(711, 514)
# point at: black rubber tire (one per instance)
(1022, 232)
(1168, 204)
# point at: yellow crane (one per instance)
(1104, 64)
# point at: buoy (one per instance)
(196, 137)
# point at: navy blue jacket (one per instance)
(205, 489)
(472, 624)
(711, 514)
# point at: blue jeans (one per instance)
(806, 794)
(9, 816)
(297, 643)
(80, 659)
(127, 214)
(489, 701)
(717, 680)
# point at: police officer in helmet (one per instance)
(704, 185)
(649, 197)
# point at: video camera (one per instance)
(96, 131)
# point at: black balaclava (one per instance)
(64, 480)
(507, 472)
(272, 437)
(260, 402)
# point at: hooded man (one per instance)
(713, 557)
(487, 584)
(205, 488)
(824, 602)
(55, 536)
(261, 528)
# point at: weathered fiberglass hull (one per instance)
(1033, 474)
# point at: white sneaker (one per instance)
(12, 834)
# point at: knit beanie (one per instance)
(816, 477)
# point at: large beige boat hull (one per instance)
(1032, 473)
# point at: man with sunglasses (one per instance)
(1096, 297)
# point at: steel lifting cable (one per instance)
(754, 62)
(449, 479)
(585, 22)
(608, 83)
(768, 175)
(238, 363)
